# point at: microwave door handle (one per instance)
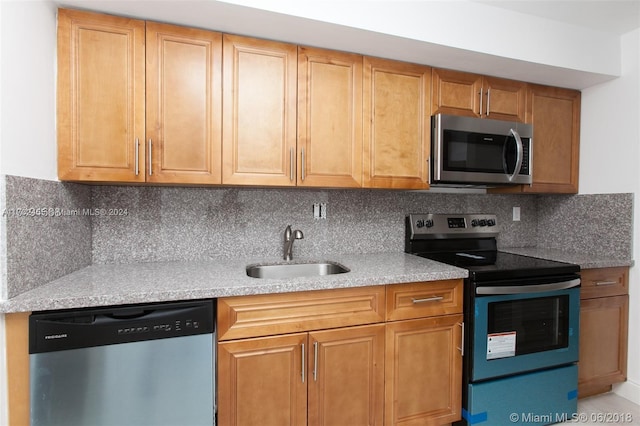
(527, 289)
(520, 154)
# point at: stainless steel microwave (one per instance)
(469, 151)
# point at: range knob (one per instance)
(491, 222)
(428, 223)
(483, 222)
(475, 222)
(420, 223)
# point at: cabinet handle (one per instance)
(136, 156)
(150, 165)
(427, 299)
(302, 164)
(461, 347)
(303, 366)
(599, 283)
(488, 100)
(480, 110)
(315, 361)
(292, 160)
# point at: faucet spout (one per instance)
(289, 237)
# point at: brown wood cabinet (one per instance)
(136, 111)
(461, 93)
(329, 118)
(259, 112)
(184, 101)
(423, 372)
(100, 97)
(397, 124)
(320, 377)
(604, 315)
(555, 115)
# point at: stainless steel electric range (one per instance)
(521, 322)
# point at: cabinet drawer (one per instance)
(424, 299)
(604, 282)
(263, 315)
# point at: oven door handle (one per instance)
(524, 289)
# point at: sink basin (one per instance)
(293, 270)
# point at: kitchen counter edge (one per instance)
(122, 284)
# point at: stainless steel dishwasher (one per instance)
(134, 365)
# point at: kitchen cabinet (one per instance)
(323, 377)
(184, 101)
(329, 141)
(365, 355)
(423, 361)
(604, 315)
(555, 115)
(397, 123)
(259, 112)
(461, 93)
(100, 97)
(137, 101)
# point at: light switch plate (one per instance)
(516, 214)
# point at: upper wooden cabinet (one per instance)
(184, 100)
(555, 115)
(329, 118)
(108, 130)
(259, 112)
(101, 97)
(396, 124)
(461, 93)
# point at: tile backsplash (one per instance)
(124, 224)
(164, 224)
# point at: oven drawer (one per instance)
(604, 282)
(424, 299)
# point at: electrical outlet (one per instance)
(516, 214)
(319, 210)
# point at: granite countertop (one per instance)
(118, 284)
(586, 261)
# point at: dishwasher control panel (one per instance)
(80, 328)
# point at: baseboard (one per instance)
(628, 390)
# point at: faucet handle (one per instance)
(287, 233)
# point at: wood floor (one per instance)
(607, 408)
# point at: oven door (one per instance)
(516, 333)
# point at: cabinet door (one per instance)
(261, 381)
(504, 99)
(603, 344)
(555, 115)
(456, 93)
(100, 97)
(259, 112)
(346, 376)
(329, 118)
(423, 367)
(184, 105)
(397, 124)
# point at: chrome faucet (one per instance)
(289, 238)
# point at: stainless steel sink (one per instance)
(293, 270)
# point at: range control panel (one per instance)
(427, 225)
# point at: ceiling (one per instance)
(612, 16)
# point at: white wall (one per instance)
(27, 110)
(27, 84)
(609, 158)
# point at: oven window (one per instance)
(540, 324)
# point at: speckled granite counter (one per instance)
(586, 261)
(116, 284)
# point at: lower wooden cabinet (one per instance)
(423, 381)
(297, 359)
(604, 315)
(326, 377)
